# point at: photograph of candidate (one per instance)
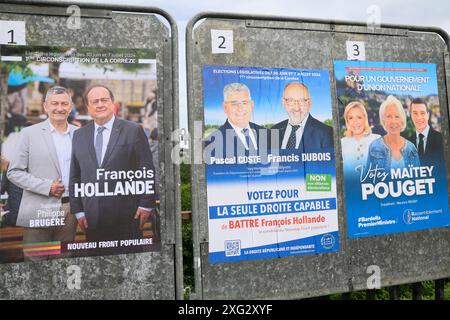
(237, 136)
(358, 136)
(111, 144)
(428, 141)
(301, 130)
(41, 168)
(392, 150)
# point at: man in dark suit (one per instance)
(237, 136)
(109, 144)
(301, 130)
(428, 141)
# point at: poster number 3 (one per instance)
(356, 50)
(12, 32)
(222, 41)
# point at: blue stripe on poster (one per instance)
(269, 208)
(322, 243)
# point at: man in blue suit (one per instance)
(301, 131)
(237, 136)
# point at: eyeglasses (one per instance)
(236, 103)
(291, 102)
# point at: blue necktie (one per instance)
(246, 134)
(99, 144)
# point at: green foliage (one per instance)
(447, 291)
(405, 292)
(185, 197)
(185, 173)
(19, 67)
(188, 258)
(188, 255)
(329, 122)
(209, 129)
(185, 177)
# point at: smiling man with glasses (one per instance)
(237, 136)
(301, 130)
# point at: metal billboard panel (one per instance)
(305, 44)
(149, 275)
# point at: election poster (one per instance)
(270, 164)
(79, 153)
(391, 127)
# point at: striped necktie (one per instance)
(292, 141)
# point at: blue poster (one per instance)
(392, 147)
(270, 165)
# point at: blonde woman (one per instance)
(392, 150)
(358, 135)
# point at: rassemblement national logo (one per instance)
(407, 216)
(327, 241)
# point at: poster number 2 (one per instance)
(222, 41)
(356, 50)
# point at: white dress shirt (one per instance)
(425, 133)
(242, 136)
(106, 134)
(63, 147)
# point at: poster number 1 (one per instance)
(356, 50)
(12, 32)
(222, 41)
(12, 37)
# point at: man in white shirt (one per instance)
(41, 167)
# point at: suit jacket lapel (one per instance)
(306, 134)
(46, 134)
(282, 132)
(113, 138)
(428, 146)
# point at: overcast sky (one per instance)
(433, 13)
